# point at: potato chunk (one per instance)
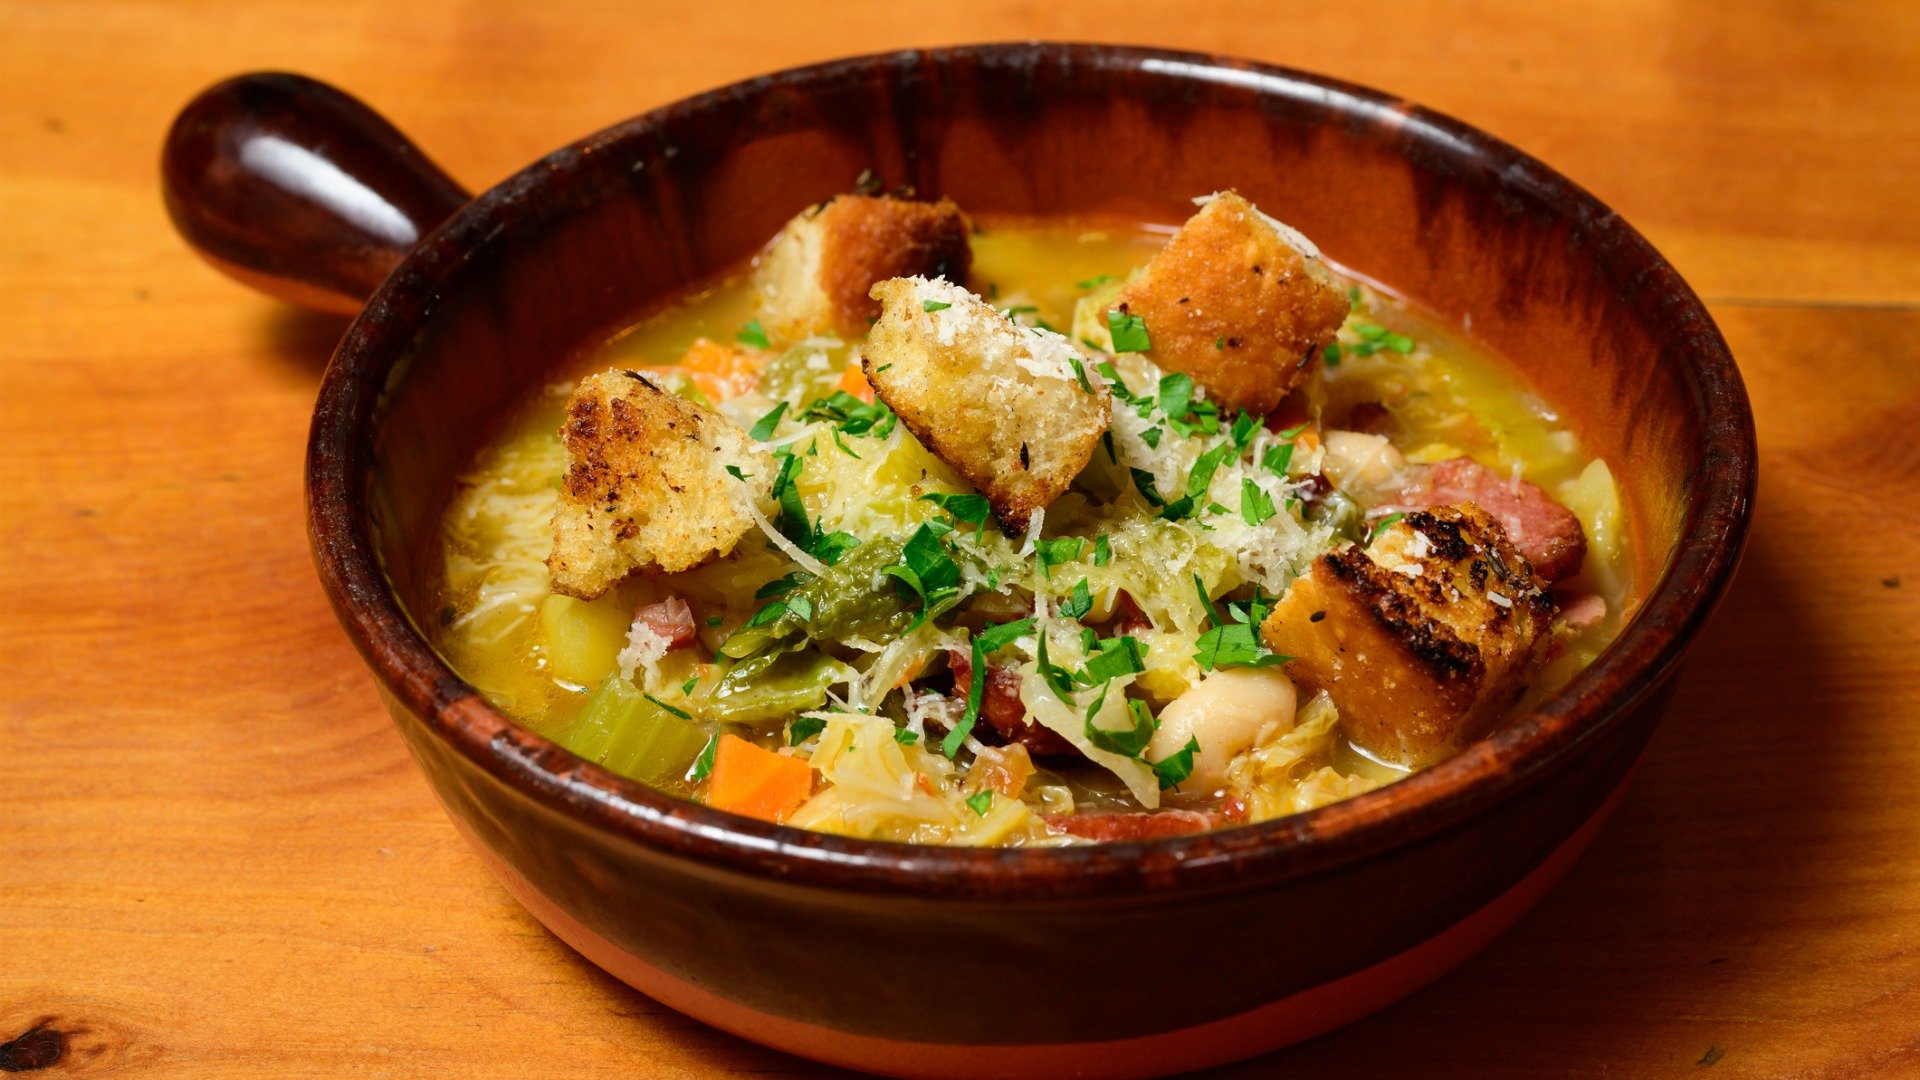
(646, 487)
(817, 276)
(1238, 301)
(1001, 403)
(1422, 639)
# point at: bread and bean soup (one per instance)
(1006, 532)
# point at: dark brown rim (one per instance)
(340, 459)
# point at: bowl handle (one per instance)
(299, 190)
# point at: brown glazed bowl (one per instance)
(1129, 959)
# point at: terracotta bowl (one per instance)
(1130, 959)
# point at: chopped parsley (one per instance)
(1094, 282)
(687, 687)
(1176, 393)
(936, 305)
(1079, 602)
(743, 477)
(780, 586)
(793, 523)
(1256, 506)
(905, 736)
(681, 713)
(1201, 478)
(1374, 337)
(1102, 550)
(981, 802)
(1060, 550)
(1177, 766)
(1236, 643)
(851, 415)
(927, 570)
(801, 607)
(968, 509)
(1331, 354)
(1151, 437)
(804, 728)
(703, 765)
(752, 334)
(716, 620)
(831, 547)
(1129, 741)
(1112, 374)
(1129, 332)
(1277, 458)
(1244, 426)
(1143, 480)
(763, 428)
(1080, 372)
(1116, 656)
(1384, 524)
(988, 641)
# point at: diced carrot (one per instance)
(854, 381)
(1005, 770)
(720, 370)
(755, 782)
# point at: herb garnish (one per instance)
(927, 570)
(1060, 550)
(986, 643)
(1079, 602)
(703, 765)
(762, 430)
(804, 728)
(980, 802)
(1129, 332)
(681, 713)
(1384, 524)
(936, 305)
(1256, 506)
(1177, 766)
(752, 334)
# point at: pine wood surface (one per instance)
(216, 859)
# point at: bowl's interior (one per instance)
(572, 250)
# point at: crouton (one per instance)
(1005, 405)
(1423, 639)
(1238, 301)
(647, 487)
(817, 276)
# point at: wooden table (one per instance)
(216, 859)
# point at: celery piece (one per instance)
(619, 728)
(583, 637)
(805, 372)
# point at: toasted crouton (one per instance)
(1238, 301)
(817, 276)
(1005, 405)
(647, 487)
(1422, 639)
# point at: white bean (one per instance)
(1226, 712)
(1355, 460)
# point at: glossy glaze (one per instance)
(556, 258)
(299, 190)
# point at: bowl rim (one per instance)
(1712, 533)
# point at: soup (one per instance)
(1021, 561)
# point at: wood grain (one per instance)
(218, 861)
